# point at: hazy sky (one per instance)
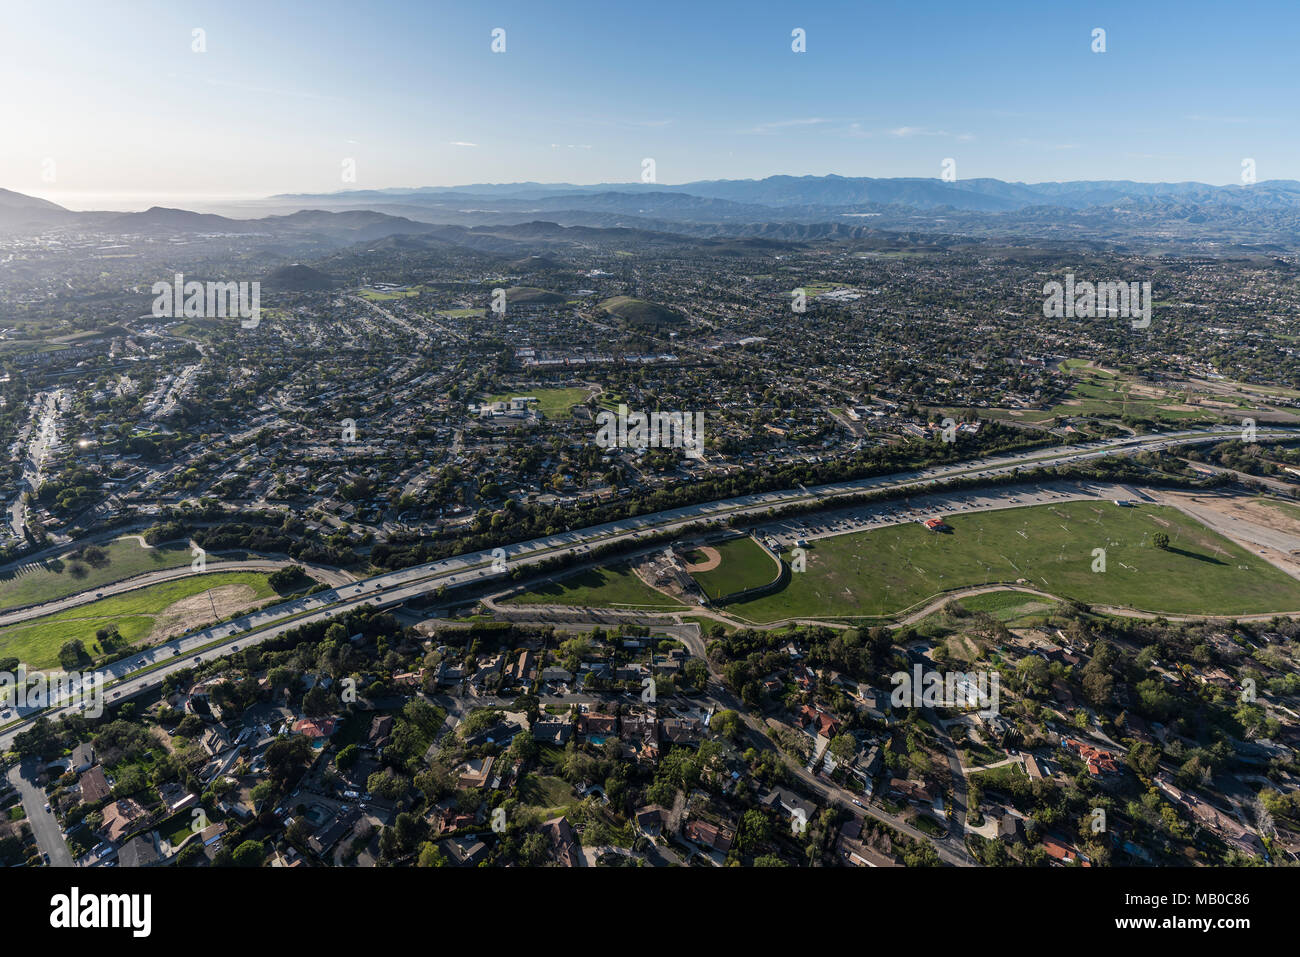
(107, 97)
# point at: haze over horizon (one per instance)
(413, 96)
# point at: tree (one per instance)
(430, 856)
(726, 723)
(697, 672)
(318, 702)
(348, 757)
(1160, 540)
(72, 654)
(1033, 674)
(533, 849)
(842, 747)
(286, 578)
(249, 854)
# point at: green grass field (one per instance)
(744, 565)
(886, 571)
(1008, 606)
(58, 578)
(463, 313)
(134, 613)
(1103, 394)
(596, 588)
(386, 295)
(552, 403)
(553, 795)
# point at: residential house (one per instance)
(94, 785)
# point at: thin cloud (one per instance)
(910, 131)
(462, 143)
(784, 124)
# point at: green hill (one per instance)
(532, 296)
(640, 314)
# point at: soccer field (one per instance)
(552, 403)
(886, 571)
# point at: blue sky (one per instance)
(108, 98)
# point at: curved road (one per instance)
(330, 576)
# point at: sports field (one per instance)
(886, 571)
(616, 586)
(744, 565)
(57, 578)
(151, 613)
(552, 403)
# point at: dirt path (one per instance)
(712, 559)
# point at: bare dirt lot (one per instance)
(1269, 530)
(197, 610)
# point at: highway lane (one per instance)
(394, 588)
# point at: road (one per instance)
(330, 576)
(45, 827)
(39, 437)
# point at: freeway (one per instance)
(391, 589)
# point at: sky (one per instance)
(108, 103)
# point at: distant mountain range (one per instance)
(831, 190)
(786, 208)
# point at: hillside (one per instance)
(532, 296)
(641, 314)
(297, 278)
